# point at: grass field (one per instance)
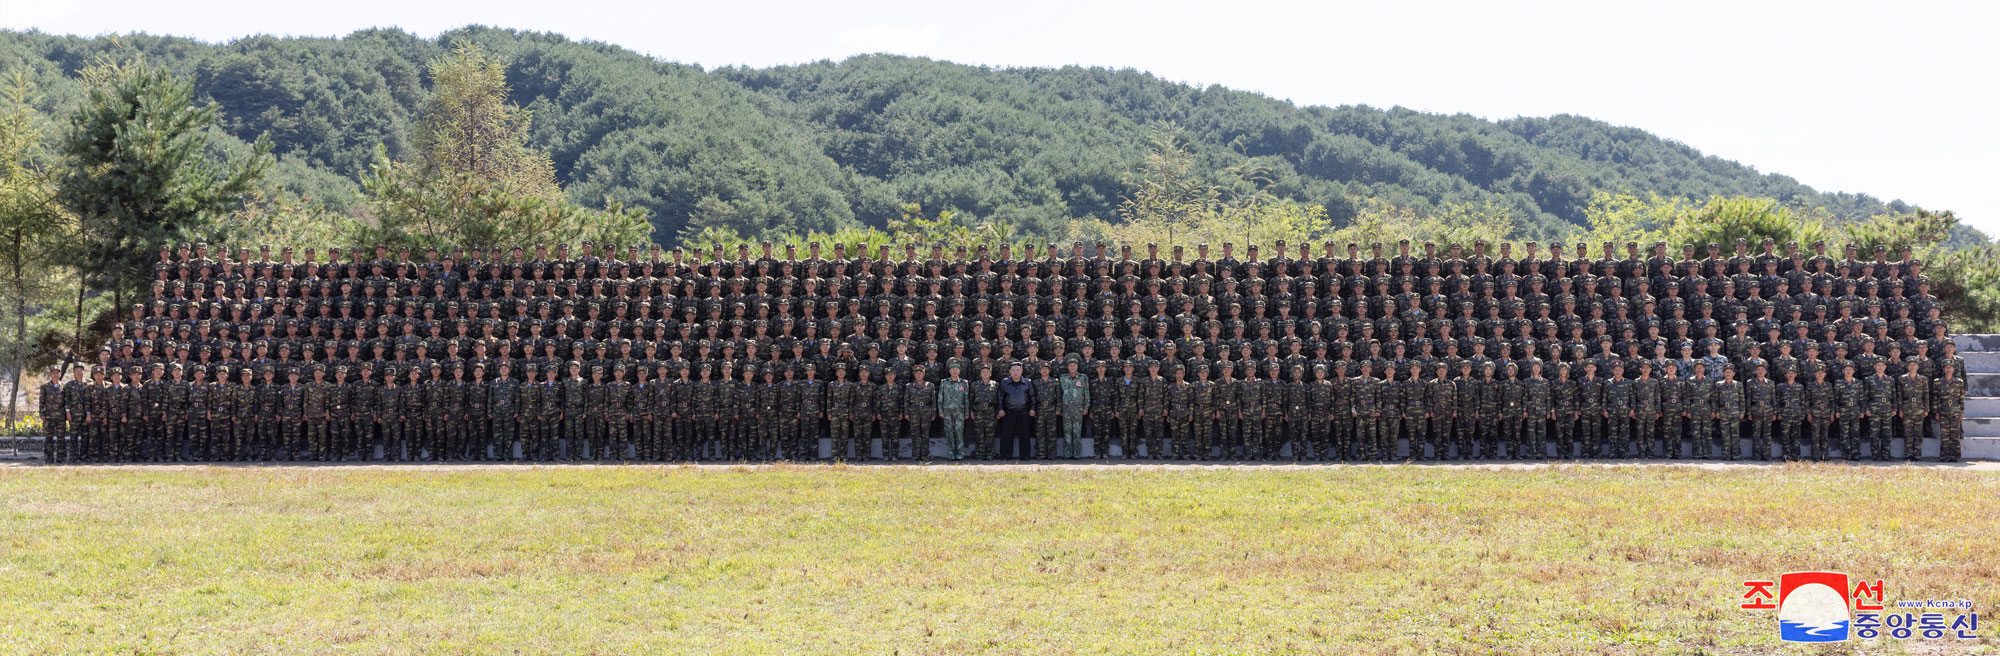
(881, 560)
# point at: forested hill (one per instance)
(827, 144)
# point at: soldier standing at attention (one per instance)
(1669, 389)
(149, 423)
(1913, 395)
(533, 412)
(1490, 412)
(504, 405)
(389, 413)
(316, 401)
(742, 423)
(954, 406)
(197, 439)
(683, 445)
(339, 415)
(458, 414)
(1882, 404)
(1440, 406)
(1250, 398)
(1201, 394)
(270, 429)
(1075, 407)
(1415, 410)
(1467, 390)
(1296, 428)
(1792, 411)
(1513, 411)
(1341, 443)
(861, 406)
(1760, 397)
(1320, 398)
(77, 397)
(1592, 411)
(1131, 390)
(1563, 410)
(1367, 392)
(1698, 403)
(55, 418)
(920, 407)
(890, 411)
(1948, 406)
(775, 419)
(985, 412)
(1538, 408)
(1851, 410)
(840, 411)
(813, 399)
(1820, 399)
(366, 400)
(1180, 414)
(1048, 409)
(596, 408)
(291, 414)
(1103, 409)
(1729, 413)
(1153, 410)
(1645, 410)
(574, 397)
(1620, 410)
(476, 400)
(701, 412)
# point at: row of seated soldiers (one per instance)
(1139, 407)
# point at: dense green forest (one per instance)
(831, 145)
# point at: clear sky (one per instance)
(1892, 99)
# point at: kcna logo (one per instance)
(1828, 607)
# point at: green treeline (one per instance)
(832, 145)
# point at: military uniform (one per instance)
(1729, 417)
(920, 403)
(1882, 404)
(954, 408)
(1048, 414)
(1760, 397)
(1913, 402)
(1851, 404)
(1075, 403)
(1537, 403)
(1948, 405)
(985, 416)
(1792, 410)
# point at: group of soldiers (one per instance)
(660, 355)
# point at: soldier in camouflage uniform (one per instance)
(1103, 409)
(1948, 406)
(702, 399)
(1201, 395)
(1882, 409)
(504, 406)
(1729, 401)
(1698, 403)
(1296, 427)
(389, 413)
(1645, 410)
(1592, 411)
(1074, 404)
(1513, 412)
(954, 407)
(890, 413)
(574, 397)
(861, 406)
(1792, 411)
(985, 395)
(1048, 409)
(920, 408)
(1228, 410)
(596, 406)
(1820, 399)
(1669, 390)
(1913, 406)
(743, 419)
(1250, 393)
(1153, 410)
(271, 428)
(1620, 410)
(812, 399)
(1366, 390)
(773, 431)
(339, 415)
(1179, 427)
(1466, 418)
(1440, 410)
(1760, 398)
(55, 417)
(476, 407)
(840, 395)
(1851, 410)
(1491, 408)
(318, 409)
(1563, 410)
(1320, 395)
(1538, 408)
(1130, 388)
(291, 415)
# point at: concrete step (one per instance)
(1981, 427)
(1982, 406)
(1969, 343)
(1982, 384)
(1982, 363)
(1980, 448)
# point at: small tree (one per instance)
(34, 227)
(136, 174)
(474, 179)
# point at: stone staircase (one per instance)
(1982, 395)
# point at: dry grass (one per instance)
(886, 560)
